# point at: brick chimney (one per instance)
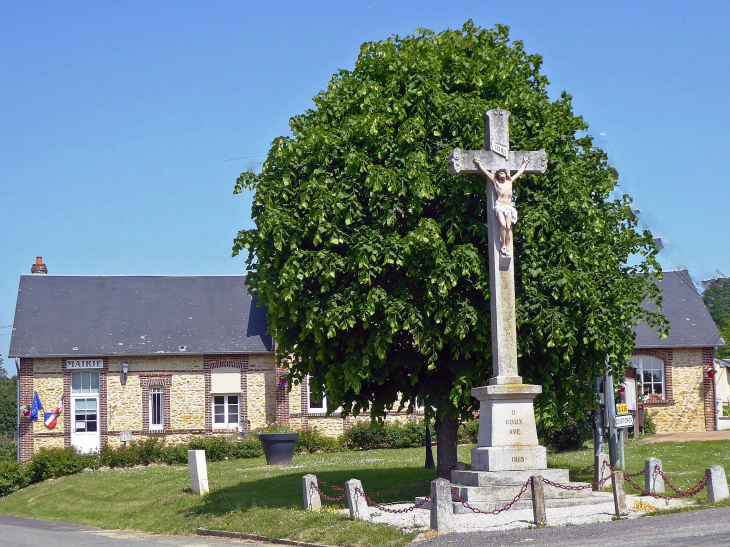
(39, 267)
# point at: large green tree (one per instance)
(372, 259)
(717, 300)
(8, 408)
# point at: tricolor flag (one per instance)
(37, 406)
(52, 417)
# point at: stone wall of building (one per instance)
(188, 401)
(124, 404)
(48, 383)
(687, 413)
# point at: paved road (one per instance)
(22, 532)
(706, 528)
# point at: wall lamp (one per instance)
(125, 370)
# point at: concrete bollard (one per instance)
(653, 481)
(312, 501)
(601, 470)
(198, 472)
(356, 502)
(619, 494)
(716, 484)
(538, 501)
(442, 507)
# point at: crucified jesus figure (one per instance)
(503, 207)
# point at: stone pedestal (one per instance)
(507, 431)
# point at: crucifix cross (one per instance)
(497, 155)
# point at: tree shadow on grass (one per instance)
(285, 491)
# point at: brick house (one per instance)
(672, 373)
(157, 356)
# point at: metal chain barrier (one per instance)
(696, 489)
(584, 470)
(637, 474)
(372, 503)
(507, 507)
(576, 486)
(338, 488)
(325, 496)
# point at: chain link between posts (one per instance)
(507, 507)
(456, 497)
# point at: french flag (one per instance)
(51, 418)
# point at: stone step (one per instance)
(490, 478)
(593, 499)
(505, 492)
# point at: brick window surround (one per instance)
(102, 401)
(667, 357)
(146, 381)
(239, 361)
(708, 389)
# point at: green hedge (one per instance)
(7, 452)
(57, 462)
(368, 435)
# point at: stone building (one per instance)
(672, 375)
(150, 356)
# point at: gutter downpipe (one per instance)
(17, 411)
(714, 393)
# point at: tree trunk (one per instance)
(446, 439)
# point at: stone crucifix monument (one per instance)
(507, 452)
(507, 432)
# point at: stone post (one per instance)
(601, 470)
(538, 501)
(442, 507)
(653, 481)
(356, 502)
(716, 484)
(198, 472)
(619, 494)
(312, 502)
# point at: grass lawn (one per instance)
(683, 463)
(247, 496)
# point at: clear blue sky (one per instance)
(117, 118)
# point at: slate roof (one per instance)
(682, 305)
(67, 316)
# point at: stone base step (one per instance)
(502, 492)
(505, 478)
(594, 498)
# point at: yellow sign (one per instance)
(622, 409)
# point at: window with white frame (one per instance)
(317, 401)
(157, 410)
(226, 411)
(650, 372)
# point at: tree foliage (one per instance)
(8, 399)
(717, 300)
(372, 259)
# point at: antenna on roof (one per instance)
(720, 274)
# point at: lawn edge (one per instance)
(243, 535)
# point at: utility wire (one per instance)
(5, 326)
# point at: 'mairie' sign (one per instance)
(75, 364)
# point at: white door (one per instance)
(85, 434)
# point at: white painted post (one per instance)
(356, 501)
(716, 484)
(442, 507)
(653, 481)
(198, 472)
(312, 501)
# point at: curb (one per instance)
(254, 537)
